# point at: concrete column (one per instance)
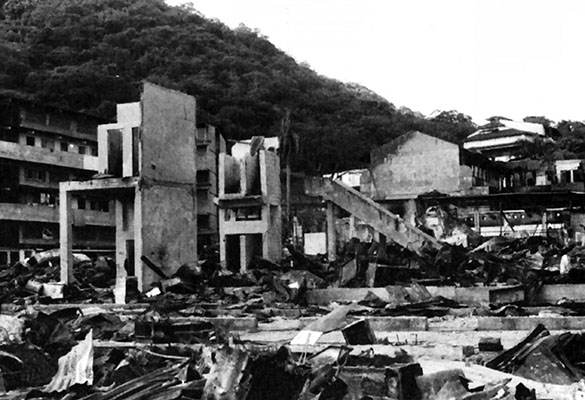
(120, 247)
(222, 239)
(66, 234)
(477, 221)
(410, 211)
(352, 232)
(138, 242)
(331, 234)
(244, 253)
(544, 223)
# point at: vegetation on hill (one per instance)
(88, 55)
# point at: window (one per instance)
(35, 174)
(64, 146)
(93, 150)
(47, 144)
(203, 221)
(47, 199)
(56, 176)
(203, 178)
(81, 203)
(81, 149)
(30, 141)
(104, 206)
(248, 214)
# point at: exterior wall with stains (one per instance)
(413, 164)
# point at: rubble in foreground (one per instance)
(181, 339)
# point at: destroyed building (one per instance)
(148, 165)
(210, 144)
(502, 139)
(418, 177)
(249, 204)
(41, 146)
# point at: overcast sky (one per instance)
(481, 57)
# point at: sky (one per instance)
(512, 58)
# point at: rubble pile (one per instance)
(181, 339)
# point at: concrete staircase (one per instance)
(392, 226)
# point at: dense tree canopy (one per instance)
(89, 55)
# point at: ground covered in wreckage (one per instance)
(202, 334)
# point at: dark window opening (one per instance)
(64, 146)
(30, 141)
(203, 177)
(203, 221)
(47, 144)
(248, 214)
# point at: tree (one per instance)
(288, 145)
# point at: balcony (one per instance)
(40, 213)
(39, 155)
(60, 130)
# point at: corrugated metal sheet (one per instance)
(76, 367)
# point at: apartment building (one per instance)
(41, 146)
(209, 144)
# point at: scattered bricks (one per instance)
(468, 351)
(490, 344)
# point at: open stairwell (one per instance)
(392, 226)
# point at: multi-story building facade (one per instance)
(210, 144)
(41, 146)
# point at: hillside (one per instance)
(89, 55)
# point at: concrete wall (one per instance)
(271, 182)
(251, 176)
(229, 175)
(417, 164)
(18, 152)
(30, 213)
(259, 176)
(168, 216)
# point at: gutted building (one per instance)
(147, 167)
(416, 163)
(210, 144)
(249, 201)
(417, 176)
(41, 146)
(503, 139)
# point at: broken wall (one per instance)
(251, 176)
(168, 196)
(418, 164)
(229, 172)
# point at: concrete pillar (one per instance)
(66, 235)
(138, 242)
(410, 211)
(222, 239)
(477, 221)
(544, 223)
(352, 232)
(331, 234)
(120, 239)
(245, 252)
